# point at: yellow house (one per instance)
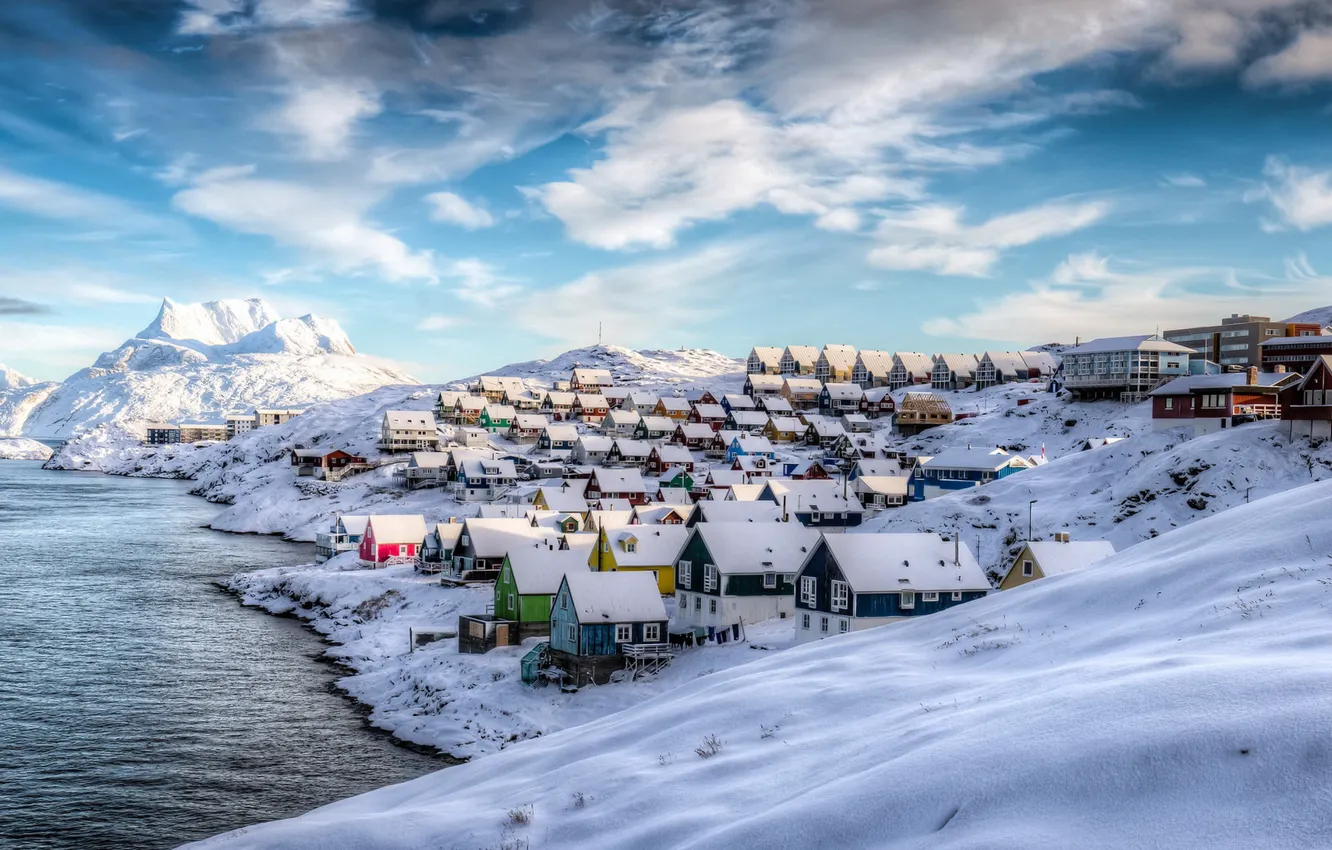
(640, 548)
(1039, 559)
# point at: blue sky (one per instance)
(465, 183)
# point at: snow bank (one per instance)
(19, 449)
(1175, 695)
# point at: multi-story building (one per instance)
(408, 431)
(161, 434)
(263, 417)
(1125, 367)
(239, 423)
(764, 360)
(1297, 353)
(198, 432)
(1235, 343)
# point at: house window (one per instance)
(823, 624)
(712, 606)
(928, 596)
(402, 550)
(908, 599)
(464, 541)
(511, 602)
(686, 573)
(957, 596)
(624, 632)
(651, 632)
(605, 546)
(573, 634)
(1027, 569)
(787, 578)
(1169, 403)
(769, 581)
(631, 546)
(564, 602)
(804, 621)
(698, 603)
(709, 578)
(683, 600)
(839, 596)
(808, 590)
(843, 625)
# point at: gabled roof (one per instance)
(496, 537)
(1055, 558)
(804, 385)
(495, 383)
(654, 513)
(1042, 360)
(822, 495)
(738, 400)
(620, 480)
(915, 362)
(786, 424)
(561, 433)
(1324, 363)
(696, 430)
(674, 454)
(1006, 362)
(710, 411)
(530, 421)
(398, 528)
(564, 501)
(1146, 342)
(623, 417)
(777, 404)
(746, 512)
(597, 520)
(882, 485)
(591, 400)
(657, 423)
(749, 418)
(677, 497)
(725, 477)
(827, 428)
(959, 364)
(768, 354)
(428, 460)
(487, 468)
(585, 375)
(502, 511)
(627, 597)
(983, 459)
(844, 392)
(673, 403)
(769, 382)
(594, 443)
(410, 420)
(471, 402)
(744, 493)
(657, 545)
(881, 467)
(448, 398)
(841, 357)
(538, 570)
(559, 399)
(633, 448)
(448, 533)
(500, 411)
(802, 353)
(737, 550)
(642, 397)
(752, 443)
(876, 362)
(890, 563)
(353, 523)
(1187, 384)
(726, 435)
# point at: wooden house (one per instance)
(722, 479)
(496, 418)
(624, 484)
(484, 479)
(392, 538)
(1041, 558)
(877, 492)
(662, 458)
(484, 542)
(852, 582)
(592, 408)
(856, 423)
(749, 444)
(910, 368)
(802, 393)
(527, 584)
(878, 402)
(602, 622)
(344, 535)
(697, 397)
(774, 405)
(823, 434)
(755, 467)
(621, 423)
(527, 427)
(798, 360)
(961, 469)
(835, 363)
(821, 504)
(471, 437)
(444, 404)
(953, 371)
(763, 386)
(872, 369)
(803, 470)
(662, 514)
(467, 409)
(629, 452)
(557, 438)
(591, 450)
(641, 548)
(783, 429)
(763, 360)
(440, 542)
(732, 402)
(1209, 403)
(642, 402)
(837, 400)
(427, 469)
(408, 430)
(674, 486)
(1001, 367)
(920, 411)
(1308, 405)
(748, 421)
(584, 380)
(558, 405)
(712, 415)
(524, 401)
(728, 575)
(672, 407)
(736, 511)
(693, 436)
(654, 428)
(324, 464)
(494, 387)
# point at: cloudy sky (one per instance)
(464, 183)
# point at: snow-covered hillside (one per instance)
(683, 368)
(1321, 315)
(11, 379)
(198, 361)
(21, 449)
(1174, 695)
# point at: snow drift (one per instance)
(198, 361)
(1175, 695)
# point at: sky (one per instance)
(467, 183)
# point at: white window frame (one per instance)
(843, 625)
(710, 578)
(769, 581)
(957, 596)
(685, 571)
(823, 625)
(573, 634)
(624, 632)
(1028, 569)
(809, 590)
(651, 632)
(698, 604)
(804, 622)
(929, 596)
(907, 600)
(841, 596)
(712, 606)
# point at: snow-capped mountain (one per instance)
(197, 361)
(12, 380)
(681, 368)
(1321, 315)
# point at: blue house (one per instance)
(815, 503)
(745, 444)
(851, 582)
(961, 469)
(602, 622)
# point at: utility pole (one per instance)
(1029, 504)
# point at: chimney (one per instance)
(1253, 376)
(957, 549)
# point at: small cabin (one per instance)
(1041, 558)
(603, 623)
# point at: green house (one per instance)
(529, 579)
(496, 417)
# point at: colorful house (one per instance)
(821, 504)
(592, 408)
(496, 417)
(693, 435)
(852, 582)
(802, 393)
(872, 369)
(1309, 405)
(654, 428)
(583, 380)
(764, 360)
(961, 469)
(953, 371)
(920, 411)
(798, 360)
(835, 363)
(673, 408)
(624, 484)
(602, 622)
(712, 415)
(640, 548)
(763, 386)
(1041, 558)
(557, 438)
(727, 574)
(527, 584)
(910, 368)
(746, 444)
(389, 538)
(1210, 403)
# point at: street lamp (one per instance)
(1029, 504)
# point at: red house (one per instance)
(1215, 402)
(693, 435)
(662, 458)
(1308, 405)
(392, 536)
(624, 484)
(712, 415)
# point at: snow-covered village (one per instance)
(692, 424)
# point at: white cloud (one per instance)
(1184, 181)
(480, 284)
(652, 303)
(1087, 296)
(1301, 196)
(438, 323)
(329, 225)
(219, 17)
(454, 209)
(1308, 59)
(323, 116)
(64, 202)
(933, 237)
(1209, 40)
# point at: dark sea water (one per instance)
(141, 706)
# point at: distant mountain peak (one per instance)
(210, 323)
(13, 380)
(1321, 315)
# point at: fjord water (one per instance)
(140, 705)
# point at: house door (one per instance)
(501, 634)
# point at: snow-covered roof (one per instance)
(844, 392)
(674, 454)
(538, 570)
(561, 433)
(1130, 343)
(656, 545)
(496, 537)
(915, 362)
(559, 399)
(1054, 557)
(739, 401)
(922, 402)
(398, 528)
(820, 494)
(502, 511)
(889, 563)
(616, 504)
(827, 428)
(677, 497)
(696, 430)
(747, 512)
(749, 418)
(354, 524)
(592, 401)
(671, 403)
(854, 419)
(619, 597)
(959, 364)
(642, 397)
(882, 485)
(804, 385)
(752, 463)
(594, 443)
(474, 468)
(876, 362)
(471, 402)
(768, 354)
(500, 411)
(1295, 341)
(623, 417)
(620, 480)
(530, 421)
(802, 353)
(737, 550)
(409, 420)
(777, 404)
(839, 356)
(1043, 361)
(881, 467)
(752, 443)
(584, 375)
(428, 460)
(745, 493)
(448, 533)
(633, 448)
(654, 513)
(710, 411)
(1006, 362)
(604, 519)
(982, 459)
(1186, 384)
(765, 382)
(785, 424)
(657, 423)
(565, 501)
